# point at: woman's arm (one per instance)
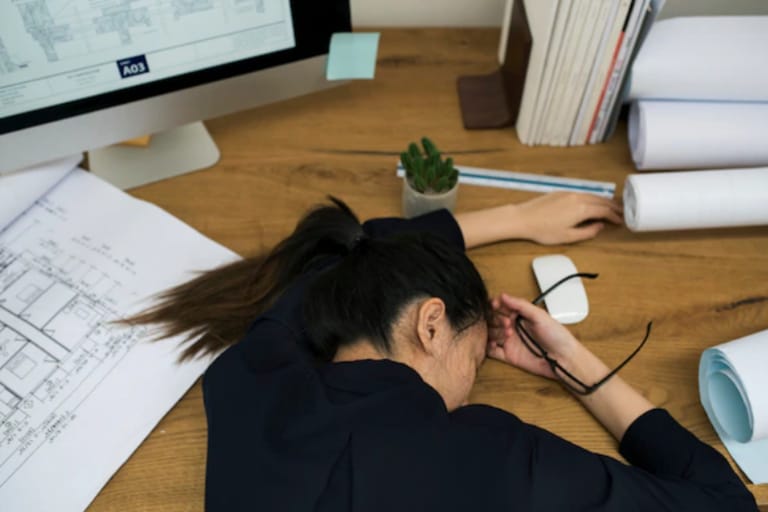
(554, 218)
(681, 469)
(615, 404)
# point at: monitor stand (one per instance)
(171, 153)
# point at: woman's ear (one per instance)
(431, 324)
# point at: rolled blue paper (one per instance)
(733, 387)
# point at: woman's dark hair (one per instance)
(364, 294)
(361, 296)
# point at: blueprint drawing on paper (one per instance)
(79, 392)
(54, 343)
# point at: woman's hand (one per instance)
(505, 345)
(565, 217)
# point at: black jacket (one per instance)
(288, 434)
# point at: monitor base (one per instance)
(170, 153)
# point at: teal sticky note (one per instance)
(352, 55)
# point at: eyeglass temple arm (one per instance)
(593, 387)
(543, 294)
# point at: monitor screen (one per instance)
(64, 58)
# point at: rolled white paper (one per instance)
(733, 387)
(695, 134)
(696, 199)
(704, 58)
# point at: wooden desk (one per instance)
(700, 288)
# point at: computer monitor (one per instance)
(76, 75)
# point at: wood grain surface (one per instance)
(700, 288)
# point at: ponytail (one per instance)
(216, 308)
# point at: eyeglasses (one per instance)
(566, 377)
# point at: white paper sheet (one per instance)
(690, 135)
(696, 199)
(733, 386)
(20, 189)
(77, 394)
(704, 58)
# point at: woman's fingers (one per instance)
(496, 352)
(599, 200)
(601, 211)
(520, 306)
(595, 209)
(498, 305)
(585, 232)
(499, 333)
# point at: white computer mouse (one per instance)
(568, 302)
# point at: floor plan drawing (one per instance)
(55, 340)
(78, 390)
(43, 28)
(121, 17)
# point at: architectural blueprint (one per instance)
(52, 51)
(73, 385)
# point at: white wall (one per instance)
(479, 13)
(422, 13)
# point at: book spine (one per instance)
(553, 60)
(613, 81)
(541, 17)
(603, 66)
(603, 26)
(623, 87)
(577, 24)
(608, 79)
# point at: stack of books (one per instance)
(577, 70)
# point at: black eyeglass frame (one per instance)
(563, 374)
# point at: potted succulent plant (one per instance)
(430, 183)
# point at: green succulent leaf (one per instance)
(445, 171)
(438, 165)
(418, 166)
(429, 147)
(414, 152)
(442, 184)
(419, 184)
(434, 160)
(405, 159)
(429, 173)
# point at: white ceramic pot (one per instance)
(415, 203)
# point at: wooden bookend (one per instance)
(493, 100)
